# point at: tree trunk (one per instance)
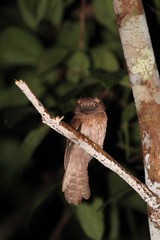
(145, 84)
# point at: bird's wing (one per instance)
(75, 123)
(75, 181)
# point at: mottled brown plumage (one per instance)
(91, 120)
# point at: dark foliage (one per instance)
(42, 43)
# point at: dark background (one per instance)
(40, 43)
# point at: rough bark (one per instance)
(145, 84)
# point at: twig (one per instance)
(55, 123)
(61, 224)
(82, 23)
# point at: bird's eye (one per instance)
(80, 105)
(95, 104)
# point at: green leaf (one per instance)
(65, 38)
(91, 219)
(117, 186)
(77, 67)
(125, 82)
(32, 11)
(27, 12)
(8, 149)
(8, 165)
(12, 96)
(54, 12)
(51, 58)
(155, 9)
(105, 14)
(136, 138)
(64, 89)
(129, 112)
(33, 139)
(107, 79)
(18, 47)
(134, 202)
(34, 81)
(49, 77)
(68, 2)
(114, 223)
(41, 6)
(104, 59)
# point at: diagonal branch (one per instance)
(89, 146)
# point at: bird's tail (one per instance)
(76, 183)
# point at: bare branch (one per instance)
(55, 123)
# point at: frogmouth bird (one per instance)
(91, 120)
